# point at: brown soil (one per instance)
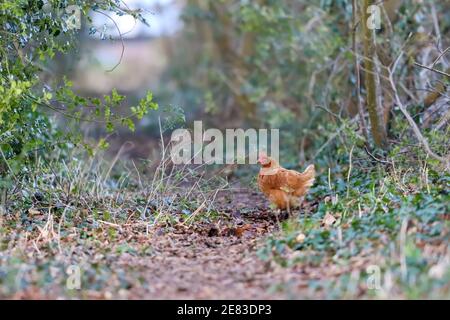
(201, 259)
(218, 260)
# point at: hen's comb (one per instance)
(262, 154)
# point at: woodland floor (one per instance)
(203, 260)
(213, 257)
(218, 261)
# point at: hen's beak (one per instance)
(262, 161)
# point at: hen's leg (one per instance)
(289, 209)
(277, 215)
(300, 203)
(280, 199)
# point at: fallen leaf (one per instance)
(328, 220)
(300, 238)
(34, 212)
(241, 230)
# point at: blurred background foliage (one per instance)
(266, 64)
(291, 65)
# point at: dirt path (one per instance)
(211, 257)
(205, 259)
(219, 260)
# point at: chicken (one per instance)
(283, 187)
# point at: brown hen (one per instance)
(283, 187)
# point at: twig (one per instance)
(411, 121)
(349, 170)
(121, 40)
(375, 158)
(440, 56)
(118, 226)
(329, 111)
(432, 69)
(436, 25)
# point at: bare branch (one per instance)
(412, 123)
(121, 40)
(440, 56)
(432, 69)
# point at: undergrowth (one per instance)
(84, 211)
(378, 226)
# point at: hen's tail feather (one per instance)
(309, 175)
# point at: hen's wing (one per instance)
(289, 181)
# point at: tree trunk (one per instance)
(377, 129)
